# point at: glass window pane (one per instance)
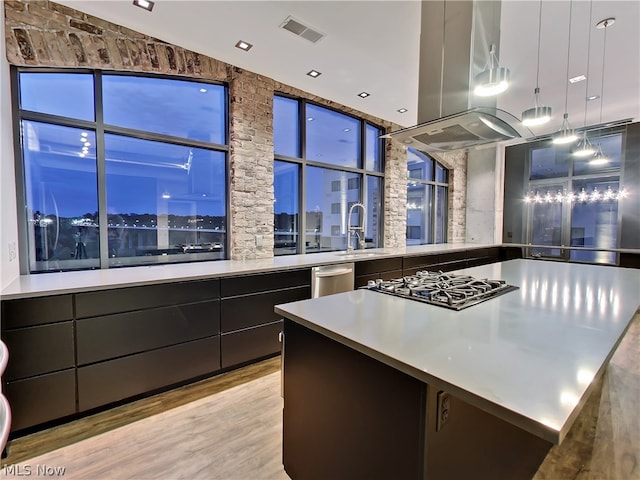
(61, 196)
(165, 203)
(419, 165)
(441, 215)
(64, 94)
(594, 219)
(374, 211)
(441, 174)
(419, 211)
(549, 162)
(326, 231)
(172, 107)
(285, 208)
(332, 137)
(373, 150)
(612, 150)
(546, 221)
(286, 131)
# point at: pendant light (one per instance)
(494, 79)
(600, 158)
(538, 114)
(566, 134)
(584, 148)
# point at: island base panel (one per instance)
(347, 415)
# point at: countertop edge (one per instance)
(60, 283)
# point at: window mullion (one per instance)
(101, 173)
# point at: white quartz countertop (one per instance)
(529, 356)
(70, 282)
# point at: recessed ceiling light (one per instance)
(310, 119)
(402, 110)
(314, 73)
(579, 78)
(203, 90)
(363, 94)
(146, 4)
(242, 45)
(347, 130)
(592, 97)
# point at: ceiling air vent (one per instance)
(294, 26)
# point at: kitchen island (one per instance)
(382, 387)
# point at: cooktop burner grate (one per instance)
(452, 291)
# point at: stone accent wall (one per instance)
(251, 165)
(456, 162)
(44, 33)
(395, 195)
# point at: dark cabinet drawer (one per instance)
(114, 380)
(27, 312)
(419, 262)
(250, 344)
(264, 282)
(40, 399)
(38, 350)
(105, 302)
(361, 281)
(376, 266)
(250, 310)
(102, 338)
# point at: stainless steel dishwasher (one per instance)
(325, 280)
(330, 279)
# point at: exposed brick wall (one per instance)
(44, 33)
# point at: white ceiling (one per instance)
(373, 46)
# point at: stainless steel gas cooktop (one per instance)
(448, 290)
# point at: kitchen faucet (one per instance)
(359, 231)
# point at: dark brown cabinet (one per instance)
(250, 328)
(385, 268)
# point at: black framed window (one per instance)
(119, 169)
(574, 201)
(427, 199)
(340, 162)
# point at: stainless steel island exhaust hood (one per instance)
(455, 40)
(471, 128)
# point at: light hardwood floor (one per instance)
(230, 427)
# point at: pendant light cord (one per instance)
(444, 27)
(539, 35)
(604, 51)
(586, 88)
(566, 92)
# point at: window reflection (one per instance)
(63, 94)
(326, 231)
(427, 200)
(285, 208)
(162, 200)
(332, 137)
(178, 108)
(61, 197)
(286, 136)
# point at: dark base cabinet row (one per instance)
(71, 354)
